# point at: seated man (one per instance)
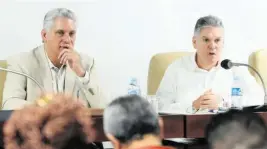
(131, 123)
(198, 82)
(56, 65)
(236, 130)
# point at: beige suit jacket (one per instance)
(20, 91)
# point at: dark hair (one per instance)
(237, 128)
(207, 21)
(61, 124)
(129, 118)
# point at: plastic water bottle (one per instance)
(237, 93)
(134, 87)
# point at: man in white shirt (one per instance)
(198, 82)
(55, 64)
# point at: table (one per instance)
(173, 124)
(195, 124)
(173, 127)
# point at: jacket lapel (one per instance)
(45, 75)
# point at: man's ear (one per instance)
(161, 125)
(115, 142)
(194, 41)
(43, 35)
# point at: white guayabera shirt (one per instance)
(184, 82)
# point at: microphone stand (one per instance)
(258, 108)
(23, 74)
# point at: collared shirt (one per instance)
(184, 82)
(59, 75)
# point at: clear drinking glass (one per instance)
(153, 100)
(226, 104)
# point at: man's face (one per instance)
(60, 36)
(209, 43)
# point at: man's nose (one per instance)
(66, 38)
(212, 45)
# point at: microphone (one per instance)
(228, 64)
(25, 75)
(43, 100)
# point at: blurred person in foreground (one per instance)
(236, 129)
(61, 124)
(56, 65)
(130, 122)
(198, 83)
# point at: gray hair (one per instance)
(207, 21)
(236, 129)
(129, 118)
(55, 13)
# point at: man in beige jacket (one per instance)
(55, 65)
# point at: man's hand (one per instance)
(68, 55)
(83, 102)
(207, 101)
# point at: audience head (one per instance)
(236, 129)
(131, 119)
(208, 40)
(62, 124)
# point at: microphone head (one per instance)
(226, 64)
(44, 100)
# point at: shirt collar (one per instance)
(194, 66)
(50, 64)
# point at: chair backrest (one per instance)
(157, 67)
(3, 64)
(258, 60)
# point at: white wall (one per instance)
(124, 34)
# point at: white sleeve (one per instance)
(85, 79)
(167, 92)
